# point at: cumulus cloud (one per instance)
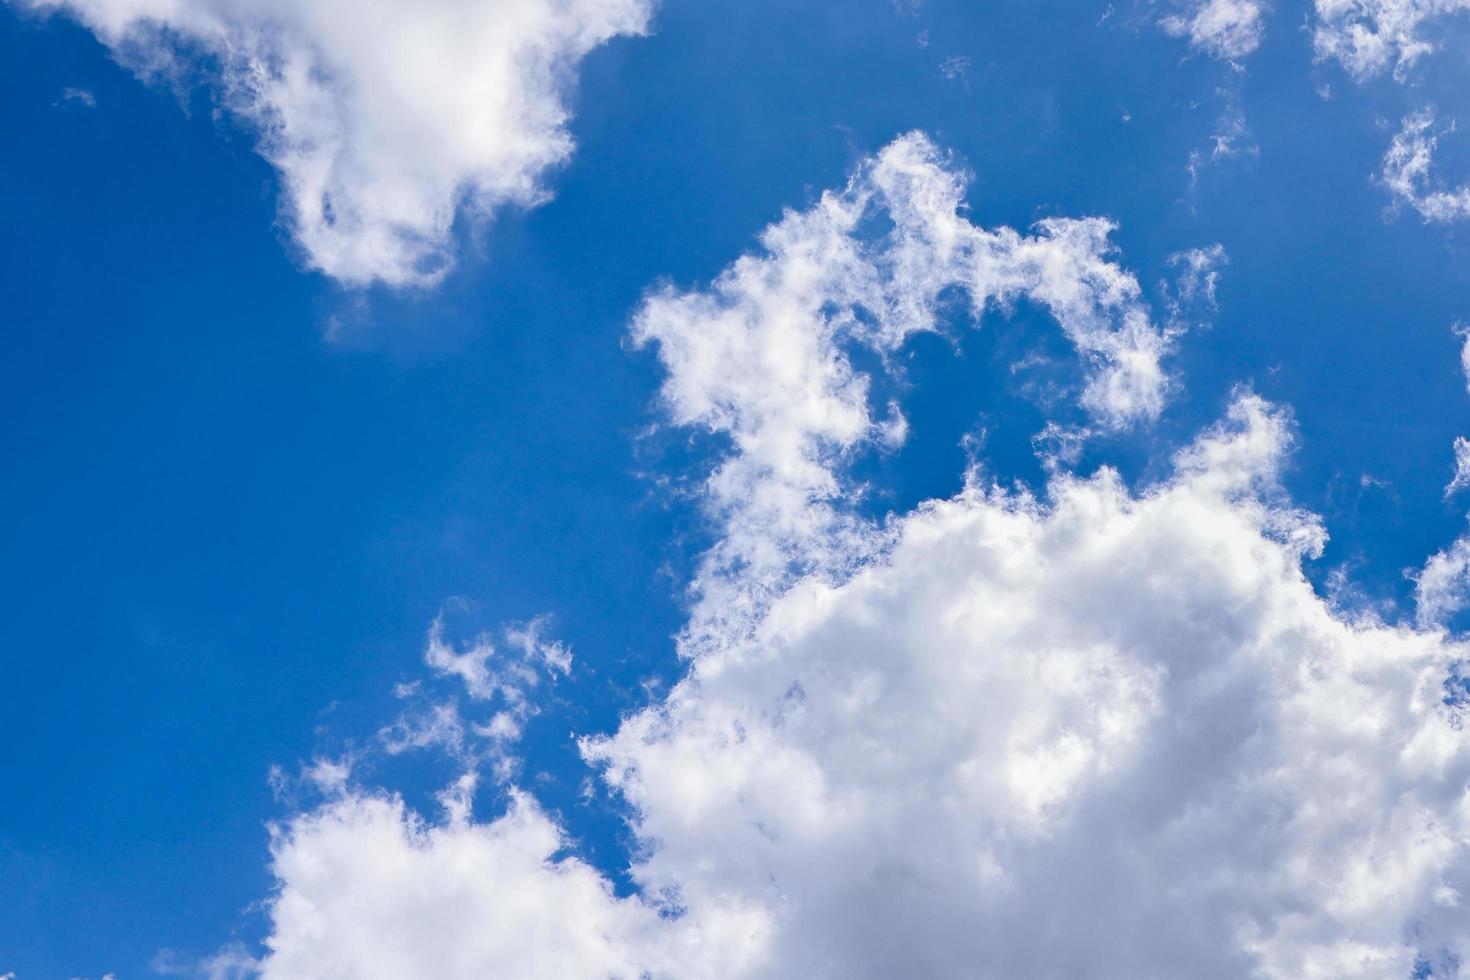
(1031, 733)
(1089, 731)
(386, 121)
(1226, 29)
(1023, 736)
(1368, 36)
(1407, 172)
(370, 889)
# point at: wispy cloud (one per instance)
(1408, 174)
(1230, 30)
(1368, 36)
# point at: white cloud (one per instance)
(1367, 36)
(1463, 330)
(1407, 172)
(1056, 446)
(1198, 278)
(233, 962)
(1226, 29)
(1199, 273)
(486, 673)
(371, 890)
(1109, 734)
(1442, 587)
(957, 67)
(1029, 734)
(71, 95)
(386, 121)
(1100, 732)
(1462, 467)
(501, 683)
(1230, 139)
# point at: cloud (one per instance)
(370, 889)
(232, 962)
(957, 67)
(1226, 29)
(501, 683)
(485, 673)
(1230, 139)
(1029, 733)
(1367, 36)
(1462, 467)
(1021, 737)
(1442, 587)
(1091, 731)
(70, 95)
(1407, 172)
(1463, 330)
(1199, 275)
(385, 121)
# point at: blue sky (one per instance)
(244, 474)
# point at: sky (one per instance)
(616, 488)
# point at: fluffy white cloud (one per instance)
(1105, 735)
(1367, 36)
(371, 890)
(1226, 29)
(1408, 175)
(1099, 732)
(385, 120)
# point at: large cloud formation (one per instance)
(1100, 731)
(385, 120)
